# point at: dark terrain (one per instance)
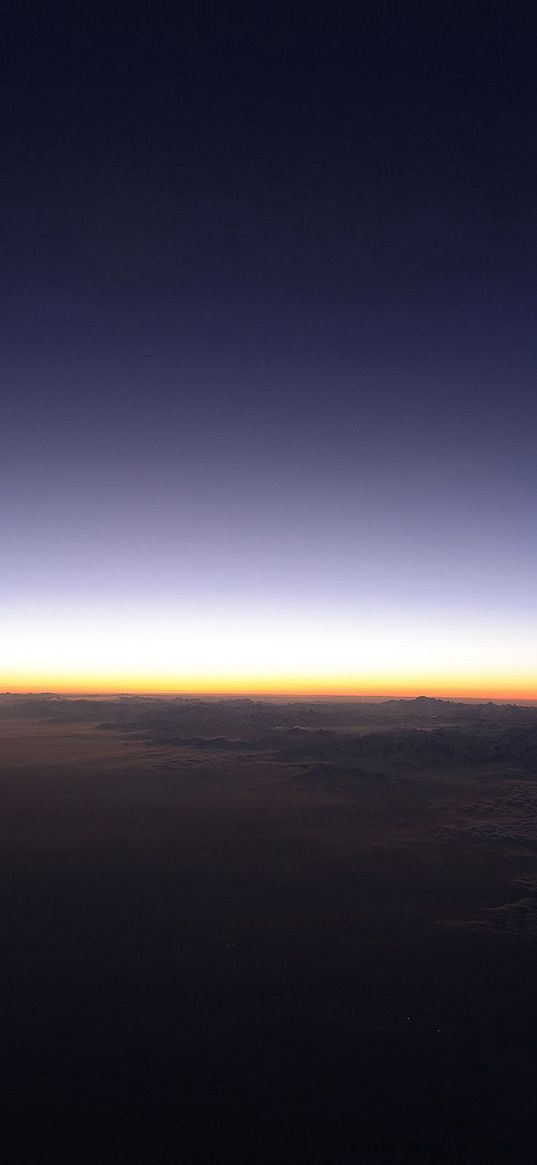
(241, 931)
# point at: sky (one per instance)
(268, 408)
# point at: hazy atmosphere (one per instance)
(268, 620)
(268, 349)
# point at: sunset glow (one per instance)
(270, 652)
(268, 583)
(268, 427)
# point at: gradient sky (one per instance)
(269, 413)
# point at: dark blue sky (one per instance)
(269, 310)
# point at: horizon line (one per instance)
(92, 693)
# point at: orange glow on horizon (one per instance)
(272, 652)
(506, 688)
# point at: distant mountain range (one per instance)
(396, 734)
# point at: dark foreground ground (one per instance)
(247, 933)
